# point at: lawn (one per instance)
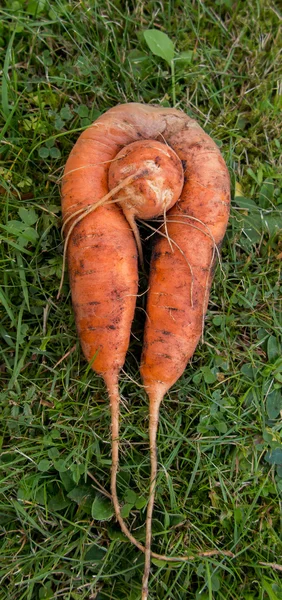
(64, 63)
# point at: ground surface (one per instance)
(220, 447)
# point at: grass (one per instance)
(220, 449)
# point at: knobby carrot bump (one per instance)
(141, 162)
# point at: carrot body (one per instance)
(102, 256)
(180, 278)
(102, 261)
(181, 275)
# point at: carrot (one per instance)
(102, 257)
(158, 184)
(180, 279)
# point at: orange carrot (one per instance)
(102, 253)
(180, 278)
(158, 184)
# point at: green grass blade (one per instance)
(6, 77)
(6, 303)
(23, 279)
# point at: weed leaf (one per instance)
(160, 44)
(274, 404)
(102, 509)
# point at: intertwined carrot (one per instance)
(136, 161)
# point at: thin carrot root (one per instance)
(113, 391)
(122, 524)
(154, 420)
(131, 221)
(155, 402)
(114, 396)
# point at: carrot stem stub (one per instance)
(185, 180)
